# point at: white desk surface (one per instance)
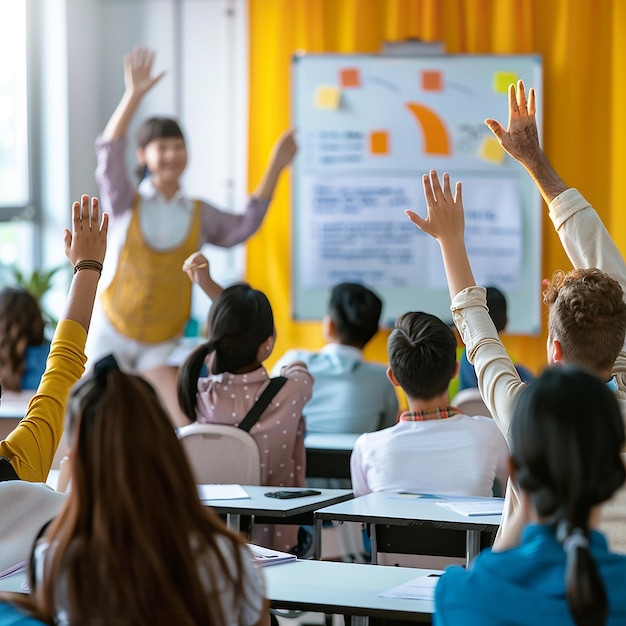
(398, 510)
(347, 588)
(330, 441)
(262, 506)
(13, 404)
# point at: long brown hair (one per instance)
(133, 542)
(21, 325)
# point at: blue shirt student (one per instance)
(350, 395)
(525, 586)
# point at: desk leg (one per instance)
(317, 539)
(233, 521)
(373, 545)
(472, 546)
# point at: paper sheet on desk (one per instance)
(471, 508)
(422, 588)
(222, 492)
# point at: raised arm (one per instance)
(282, 155)
(446, 223)
(138, 80)
(197, 268)
(521, 141)
(31, 446)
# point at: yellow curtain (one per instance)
(582, 46)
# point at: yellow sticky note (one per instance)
(502, 80)
(327, 97)
(490, 150)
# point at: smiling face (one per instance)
(165, 158)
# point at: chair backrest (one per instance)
(470, 402)
(221, 454)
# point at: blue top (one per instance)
(10, 616)
(467, 375)
(525, 586)
(350, 395)
(36, 357)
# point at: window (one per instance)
(14, 184)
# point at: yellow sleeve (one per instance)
(31, 446)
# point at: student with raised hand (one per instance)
(27, 452)
(566, 436)
(241, 336)
(144, 301)
(587, 313)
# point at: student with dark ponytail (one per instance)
(566, 436)
(241, 336)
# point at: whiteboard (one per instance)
(368, 128)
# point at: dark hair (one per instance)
(355, 311)
(587, 316)
(422, 354)
(496, 303)
(240, 320)
(156, 128)
(566, 436)
(21, 325)
(126, 462)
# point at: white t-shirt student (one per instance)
(459, 455)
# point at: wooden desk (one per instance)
(328, 455)
(344, 588)
(397, 510)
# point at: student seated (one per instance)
(241, 336)
(497, 306)
(587, 312)
(133, 543)
(351, 395)
(23, 347)
(566, 436)
(433, 448)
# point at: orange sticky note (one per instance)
(350, 77)
(379, 142)
(432, 80)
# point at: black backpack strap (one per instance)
(6, 470)
(275, 385)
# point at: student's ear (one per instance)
(392, 377)
(265, 349)
(556, 352)
(457, 367)
(140, 155)
(329, 330)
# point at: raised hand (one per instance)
(88, 239)
(285, 149)
(197, 267)
(138, 76)
(520, 139)
(445, 220)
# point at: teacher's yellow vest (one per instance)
(149, 298)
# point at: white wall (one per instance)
(202, 44)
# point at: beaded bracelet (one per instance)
(88, 265)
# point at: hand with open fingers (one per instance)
(445, 219)
(196, 266)
(285, 149)
(138, 76)
(87, 240)
(520, 139)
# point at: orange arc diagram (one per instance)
(436, 140)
